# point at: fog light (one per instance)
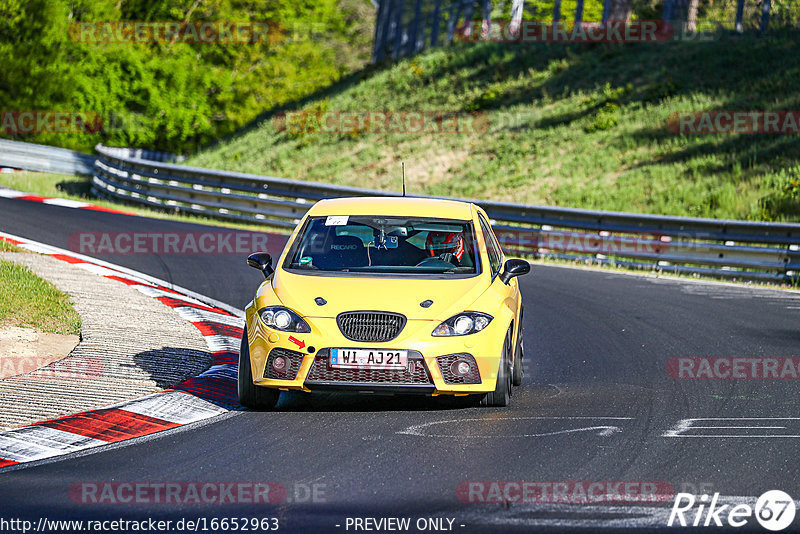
(279, 363)
(460, 368)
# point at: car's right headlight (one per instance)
(463, 324)
(283, 319)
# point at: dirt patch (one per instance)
(24, 350)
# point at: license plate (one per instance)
(369, 358)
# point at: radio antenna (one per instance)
(403, 166)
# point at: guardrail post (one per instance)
(792, 269)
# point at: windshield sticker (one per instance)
(336, 220)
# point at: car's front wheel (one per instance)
(519, 364)
(250, 395)
(501, 396)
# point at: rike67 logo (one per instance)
(774, 510)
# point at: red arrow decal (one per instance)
(300, 344)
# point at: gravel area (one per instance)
(131, 345)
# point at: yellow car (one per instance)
(386, 295)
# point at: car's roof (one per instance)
(395, 206)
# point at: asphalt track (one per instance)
(597, 404)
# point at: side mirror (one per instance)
(514, 267)
(261, 261)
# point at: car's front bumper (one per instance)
(308, 357)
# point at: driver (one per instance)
(445, 245)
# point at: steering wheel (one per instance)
(435, 262)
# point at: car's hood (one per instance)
(400, 295)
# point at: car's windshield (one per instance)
(392, 245)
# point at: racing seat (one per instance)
(342, 252)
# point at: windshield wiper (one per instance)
(458, 270)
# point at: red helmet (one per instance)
(445, 242)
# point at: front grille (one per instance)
(321, 371)
(293, 362)
(445, 362)
(370, 326)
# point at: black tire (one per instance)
(519, 363)
(501, 396)
(250, 395)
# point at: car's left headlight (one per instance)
(283, 319)
(463, 324)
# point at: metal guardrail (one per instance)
(724, 248)
(43, 158)
(143, 153)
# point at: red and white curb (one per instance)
(207, 395)
(63, 202)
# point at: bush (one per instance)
(174, 96)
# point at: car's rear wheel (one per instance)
(501, 396)
(250, 395)
(519, 364)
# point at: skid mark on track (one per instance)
(424, 429)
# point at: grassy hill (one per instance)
(567, 125)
